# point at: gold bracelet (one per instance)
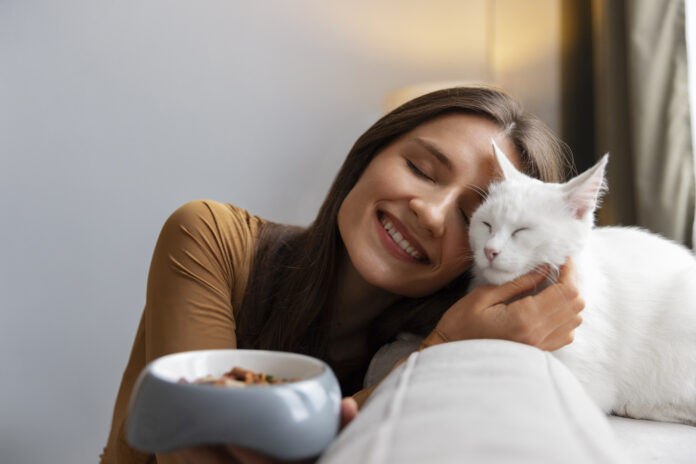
(436, 337)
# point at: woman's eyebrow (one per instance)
(435, 151)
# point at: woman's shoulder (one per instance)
(215, 209)
(214, 217)
(211, 238)
(223, 232)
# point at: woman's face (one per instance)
(405, 222)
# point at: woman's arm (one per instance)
(197, 276)
(198, 273)
(201, 254)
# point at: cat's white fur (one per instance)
(635, 352)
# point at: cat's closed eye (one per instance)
(521, 229)
(488, 225)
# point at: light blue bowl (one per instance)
(292, 420)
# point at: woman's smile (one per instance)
(396, 238)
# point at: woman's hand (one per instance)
(546, 320)
(236, 455)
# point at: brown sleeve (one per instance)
(196, 283)
(203, 252)
(435, 338)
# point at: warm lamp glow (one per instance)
(521, 45)
(515, 46)
(427, 35)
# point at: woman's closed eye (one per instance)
(464, 215)
(418, 172)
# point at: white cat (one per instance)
(635, 352)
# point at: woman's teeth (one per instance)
(399, 239)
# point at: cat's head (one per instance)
(525, 222)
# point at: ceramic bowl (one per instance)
(291, 420)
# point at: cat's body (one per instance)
(635, 352)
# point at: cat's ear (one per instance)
(584, 191)
(509, 170)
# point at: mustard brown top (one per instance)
(196, 283)
(195, 286)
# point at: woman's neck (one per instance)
(356, 302)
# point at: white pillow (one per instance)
(478, 401)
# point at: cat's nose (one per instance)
(490, 253)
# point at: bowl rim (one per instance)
(152, 367)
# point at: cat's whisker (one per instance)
(481, 193)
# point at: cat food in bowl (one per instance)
(176, 403)
(239, 377)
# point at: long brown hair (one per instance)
(286, 304)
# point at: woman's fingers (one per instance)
(349, 409)
(564, 295)
(528, 282)
(222, 454)
(547, 320)
(562, 336)
(206, 455)
(523, 284)
(557, 310)
(569, 273)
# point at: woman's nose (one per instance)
(432, 212)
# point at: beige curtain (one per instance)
(642, 114)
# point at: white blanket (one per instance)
(493, 401)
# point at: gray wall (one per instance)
(112, 114)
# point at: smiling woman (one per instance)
(404, 224)
(388, 252)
